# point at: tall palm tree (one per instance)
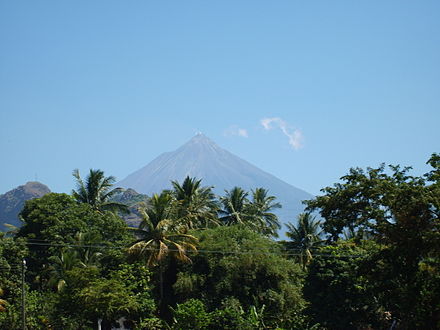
(305, 236)
(196, 206)
(96, 191)
(260, 209)
(159, 235)
(234, 207)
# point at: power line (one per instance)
(288, 252)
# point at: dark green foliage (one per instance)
(408, 289)
(240, 264)
(305, 237)
(235, 276)
(12, 254)
(338, 293)
(191, 315)
(401, 212)
(108, 299)
(379, 203)
(230, 317)
(90, 296)
(54, 220)
(136, 278)
(57, 218)
(39, 308)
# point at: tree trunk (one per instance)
(161, 280)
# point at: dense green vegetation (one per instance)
(365, 255)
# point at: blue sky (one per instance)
(112, 84)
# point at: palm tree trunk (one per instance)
(161, 280)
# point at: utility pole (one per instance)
(23, 295)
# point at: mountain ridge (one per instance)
(12, 202)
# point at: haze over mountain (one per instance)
(12, 202)
(202, 158)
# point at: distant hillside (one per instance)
(133, 200)
(12, 202)
(203, 159)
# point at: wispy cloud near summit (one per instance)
(236, 131)
(295, 135)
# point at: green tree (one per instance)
(80, 255)
(254, 214)
(376, 202)
(401, 212)
(191, 314)
(196, 205)
(53, 221)
(57, 218)
(96, 191)
(12, 253)
(107, 299)
(339, 296)
(305, 236)
(92, 295)
(260, 209)
(86, 247)
(59, 265)
(239, 264)
(160, 234)
(234, 207)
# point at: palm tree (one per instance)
(260, 209)
(235, 207)
(195, 205)
(305, 236)
(81, 254)
(11, 230)
(59, 265)
(160, 235)
(95, 190)
(86, 250)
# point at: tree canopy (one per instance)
(364, 255)
(96, 191)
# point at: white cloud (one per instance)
(242, 132)
(266, 122)
(234, 130)
(295, 135)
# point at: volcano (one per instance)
(203, 159)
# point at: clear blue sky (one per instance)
(112, 84)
